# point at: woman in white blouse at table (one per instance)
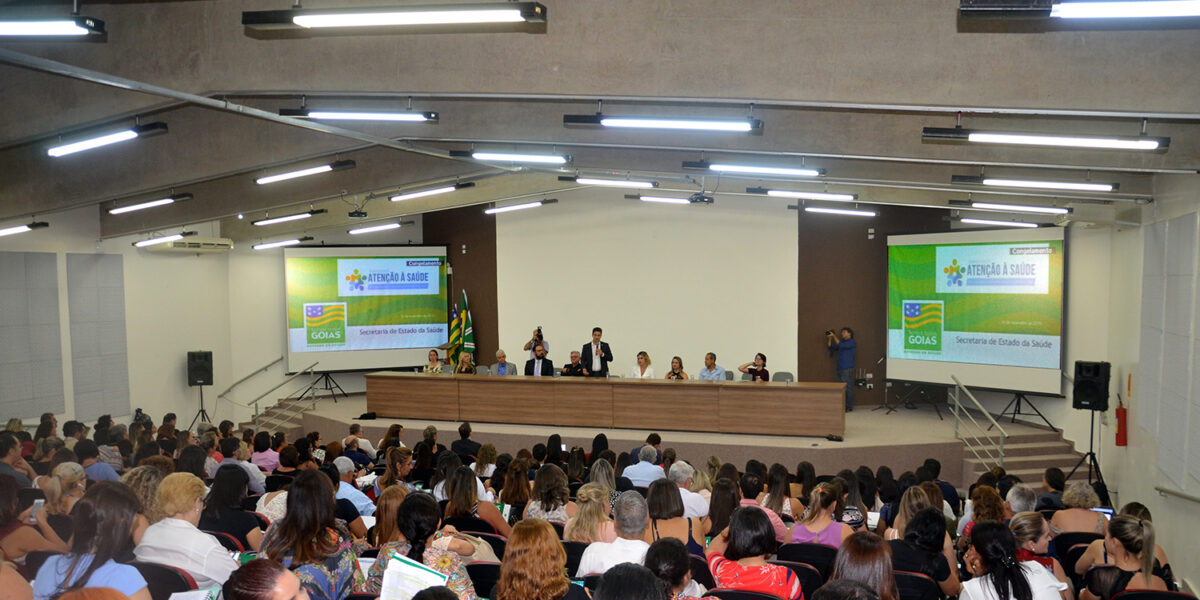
(643, 370)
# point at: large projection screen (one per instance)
(362, 308)
(984, 306)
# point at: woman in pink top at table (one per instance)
(818, 525)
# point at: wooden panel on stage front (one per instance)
(413, 396)
(675, 405)
(583, 402)
(815, 409)
(498, 399)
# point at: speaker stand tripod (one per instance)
(325, 382)
(201, 415)
(1090, 457)
(1015, 406)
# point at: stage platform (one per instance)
(901, 440)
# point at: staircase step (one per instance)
(1043, 462)
(1034, 476)
(1031, 448)
(1040, 436)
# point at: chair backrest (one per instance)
(263, 521)
(725, 594)
(592, 580)
(1152, 595)
(642, 490)
(275, 483)
(700, 572)
(819, 556)
(1063, 541)
(484, 576)
(574, 487)
(250, 503)
(728, 375)
(26, 496)
(34, 561)
(917, 586)
(1068, 560)
(515, 513)
(163, 580)
(782, 376)
(370, 553)
(747, 377)
(809, 576)
(574, 555)
(482, 370)
(559, 528)
(470, 525)
(496, 541)
(226, 540)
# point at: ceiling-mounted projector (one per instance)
(700, 198)
(357, 214)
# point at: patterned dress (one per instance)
(443, 561)
(334, 578)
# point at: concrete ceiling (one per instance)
(844, 86)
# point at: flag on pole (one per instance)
(467, 333)
(455, 335)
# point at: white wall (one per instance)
(667, 279)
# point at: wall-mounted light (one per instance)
(356, 115)
(743, 125)
(22, 228)
(286, 218)
(1079, 186)
(108, 139)
(617, 183)
(282, 243)
(481, 13)
(1104, 142)
(333, 166)
(431, 192)
(754, 169)
(154, 241)
(173, 198)
(72, 27)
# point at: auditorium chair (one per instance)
(725, 594)
(747, 377)
(482, 370)
(700, 572)
(917, 586)
(163, 580)
(809, 576)
(1068, 560)
(782, 376)
(574, 487)
(559, 528)
(819, 556)
(591, 581)
(574, 555)
(228, 541)
(1152, 595)
(728, 375)
(484, 576)
(276, 482)
(26, 496)
(35, 559)
(470, 525)
(496, 541)
(370, 553)
(1063, 541)
(250, 503)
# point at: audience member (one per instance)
(1129, 544)
(682, 475)
(1054, 481)
(395, 430)
(73, 431)
(806, 480)
(702, 485)
(1032, 534)
(144, 483)
(398, 464)
(1097, 553)
(645, 471)
(866, 558)
(534, 565)
(437, 592)
(11, 462)
(447, 464)
(632, 518)
(516, 485)
(949, 492)
(463, 502)
(17, 538)
(289, 462)
(223, 508)
(926, 549)
(465, 447)
(668, 559)
(104, 519)
(726, 498)
(264, 457)
(346, 488)
(778, 496)
(485, 461)
(176, 539)
(64, 487)
(1020, 498)
(192, 460)
(985, 506)
(415, 537)
(550, 499)
(1079, 500)
(591, 523)
(577, 465)
(364, 444)
(998, 575)
(112, 452)
(667, 517)
(263, 579)
(429, 436)
(844, 589)
(737, 557)
(818, 524)
(14, 585)
(631, 582)
(231, 449)
(854, 512)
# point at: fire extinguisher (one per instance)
(1122, 423)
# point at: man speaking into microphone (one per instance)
(845, 348)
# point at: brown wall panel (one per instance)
(470, 239)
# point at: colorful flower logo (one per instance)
(953, 273)
(356, 281)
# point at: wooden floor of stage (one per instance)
(901, 440)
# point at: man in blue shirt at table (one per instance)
(711, 371)
(502, 366)
(845, 360)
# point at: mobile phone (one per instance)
(37, 505)
(564, 447)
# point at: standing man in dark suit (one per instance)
(597, 355)
(539, 365)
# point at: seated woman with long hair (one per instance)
(411, 531)
(998, 575)
(263, 579)
(591, 523)
(534, 565)
(726, 496)
(312, 542)
(17, 536)
(737, 557)
(1097, 552)
(601, 473)
(516, 485)
(669, 561)
(864, 557)
(485, 464)
(666, 517)
(144, 483)
(463, 502)
(779, 494)
(926, 549)
(1129, 543)
(176, 541)
(550, 499)
(223, 508)
(103, 522)
(818, 525)
(398, 464)
(1032, 534)
(912, 502)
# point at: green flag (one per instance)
(468, 334)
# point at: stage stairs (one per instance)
(285, 416)
(1028, 455)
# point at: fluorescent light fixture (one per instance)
(549, 159)
(351, 115)
(482, 13)
(22, 228)
(1104, 142)
(744, 125)
(1079, 186)
(151, 204)
(286, 218)
(374, 228)
(617, 183)
(999, 223)
(1126, 10)
(73, 27)
(840, 211)
(162, 240)
(504, 209)
(788, 171)
(804, 195)
(663, 199)
(108, 139)
(1046, 210)
(281, 243)
(431, 192)
(333, 166)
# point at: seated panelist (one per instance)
(435, 363)
(539, 365)
(642, 370)
(576, 368)
(757, 368)
(676, 371)
(466, 364)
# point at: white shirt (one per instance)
(177, 543)
(644, 473)
(602, 556)
(487, 472)
(636, 372)
(694, 505)
(1042, 583)
(596, 366)
(439, 491)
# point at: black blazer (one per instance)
(547, 367)
(585, 357)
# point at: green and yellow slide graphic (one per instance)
(923, 325)
(314, 281)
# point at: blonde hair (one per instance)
(387, 507)
(823, 497)
(593, 503)
(1136, 536)
(912, 502)
(66, 477)
(144, 482)
(643, 354)
(178, 492)
(701, 481)
(1079, 494)
(15, 425)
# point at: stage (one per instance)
(901, 440)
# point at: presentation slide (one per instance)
(991, 301)
(364, 308)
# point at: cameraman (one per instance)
(535, 340)
(844, 348)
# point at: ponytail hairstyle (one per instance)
(998, 555)
(103, 521)
(1136, 536)
(66, 477)
(593, 512)
(418, 520)
(824, 497)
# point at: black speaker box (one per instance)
(199, 368)
(1091, 385)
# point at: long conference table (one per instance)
(777, 408)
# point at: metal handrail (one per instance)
(254, 403)
(1178, 494)
(959, 410)
(261, 369)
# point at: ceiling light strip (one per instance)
(287, 218)
(22, 228)
(374, 228)
(107, 139)
(1102, 142)
(805, 195)
(1126, 10)
(120, 210)
(550, 159)
(281, 243)
(1080, 186)
(333, 166)
(1045, 210)
(510, 208)
(840, 211)
(999, 223)
(163, 240)
(74, 27)
(757, 170)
